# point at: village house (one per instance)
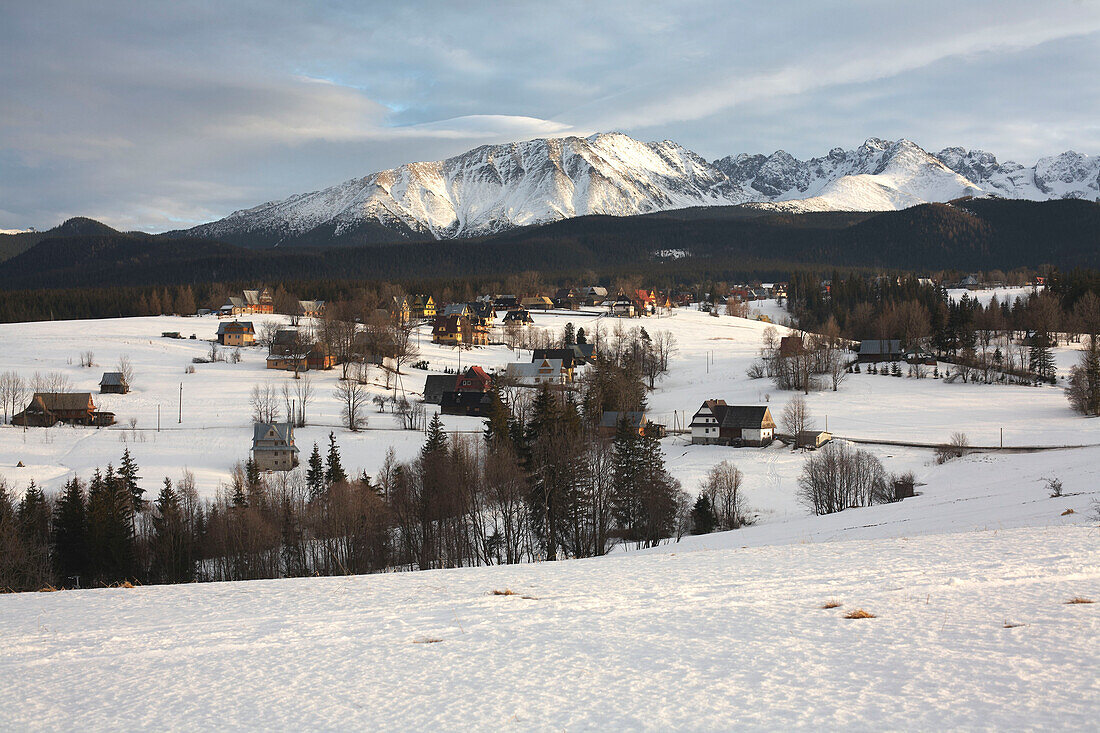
(637, 421)
(876, 350)
(399, 309)
(458, 330)
(571, 356)
(423, 307)
(567, 299)
(236, 333)
(46, 409)
(812, 439)
(113, 383)
(234, 306)
(716, 423)
(538, 373)
(592, 295)
(273, 446)
(435, 385)
(538, 302)
(623, 307)
(506, 302)
(520, 316)
(457, 309)
(258, 301)
(311, 308)
(468, 394)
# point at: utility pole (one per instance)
(1002, 437)
(181, 403)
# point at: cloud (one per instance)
(159, 115)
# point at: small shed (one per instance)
(113, 383)
(812, 439)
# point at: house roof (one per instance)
(235, 327)
(63, 401)
(456, 309)
(610, 419)
(523, 370)
(282, 439)
(233, 302)
(752, 417)
(112, 379)
(880, 346)
(438, 383)
(517, 315)
(567, 355)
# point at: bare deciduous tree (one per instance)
(353, 403)
(796, 418)
(723, 487)
(264, 403)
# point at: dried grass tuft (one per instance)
(505, 592)
(47, 589)
(831, 604)
(1010, 625)
(1068, 511)
(427, 640)
(1078, 599)
(859, 613)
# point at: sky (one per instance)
(159, 116)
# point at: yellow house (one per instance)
(399, 309)
(423, 307)
(236, 333)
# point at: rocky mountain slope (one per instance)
(499, 187)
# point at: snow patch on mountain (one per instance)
(498, 187)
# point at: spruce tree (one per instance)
(70, 536)
(582, 337)
(436, 442)
(315, 474)
(171, 550)
(703, 520)
(334, 471)
(110, 528)
(498, 428)
(568, 336)
(135, 495)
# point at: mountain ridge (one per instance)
(494, 188)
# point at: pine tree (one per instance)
(110, 528)
(1041, 360)
(498, 427)
(70, 535)
(334, 471)
(582, 337)
(252, 473)
(171, 547)
(703, 520)
(436, 441)
(128, 478)
(315, 474)
(568, 336)
(33, 522)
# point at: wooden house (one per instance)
(399, 309)
(538, 302)
(435, 385)
(812, 439)
(113, 383)
(311, 308)
(519, 316)
(49, 408)
(258, 301)
(876, 350)
(536, 374)
(456, 330)
(273, 446)
(236, 333)
(506, 302)
(423, 307)
(233, 306)
(716, 423)
(472, 404)
(623, 307)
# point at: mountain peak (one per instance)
(496, 187)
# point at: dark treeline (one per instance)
(968, 234)
(542, 482)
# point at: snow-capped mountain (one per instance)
(497, 187)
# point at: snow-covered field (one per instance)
(971, 631)
(713, 632)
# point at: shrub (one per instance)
(957, 448)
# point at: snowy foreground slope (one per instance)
(971, 631)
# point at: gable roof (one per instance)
(738, 417)
(64, 401)
(282, 438)
(879, 346)
(610, 419)
(235, 327)
(112, 379)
